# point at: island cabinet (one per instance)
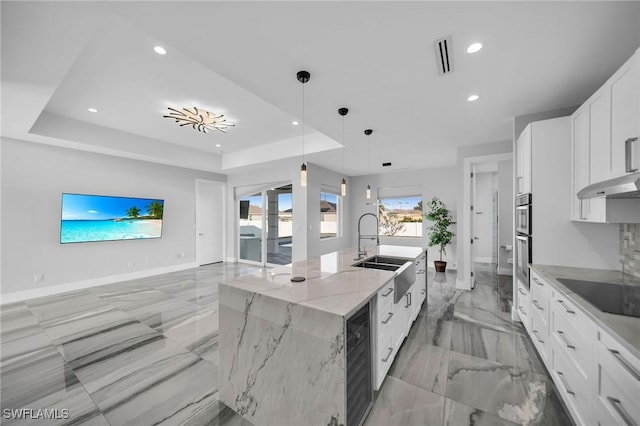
(310, 352)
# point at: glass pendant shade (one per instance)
(368, 192)
(303, 175)
(343, 187)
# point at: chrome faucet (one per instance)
(362, 252)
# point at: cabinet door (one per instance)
(519, 165)
(580, 151)
(600, 135)
(625, 116)
(523, 161)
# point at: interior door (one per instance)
(209, 221)
(472, 225)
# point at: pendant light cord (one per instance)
(302, 123)
(344, 147)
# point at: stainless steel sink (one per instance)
(405, 270)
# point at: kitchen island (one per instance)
(284, 345)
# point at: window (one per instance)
(400, 216)
(329, 215)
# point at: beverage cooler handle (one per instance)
(628, 155)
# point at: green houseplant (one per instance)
(439, 233)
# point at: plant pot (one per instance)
(440, 266)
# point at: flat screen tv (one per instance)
(88, 218)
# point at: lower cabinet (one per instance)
(394, 320)
(597, 378)
(617, 385)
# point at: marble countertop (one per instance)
(332, 284)
(625, 329)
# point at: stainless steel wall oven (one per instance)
(523, 237)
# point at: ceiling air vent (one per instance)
(386, 164)
(444, 55)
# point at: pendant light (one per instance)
(343, 186)
(303, 77)
(368, 132)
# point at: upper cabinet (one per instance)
(625, 118)
(523, 161)
(605, 145)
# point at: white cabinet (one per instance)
(597, 378)
(599, 106)
(605, 145)
(625, 117)
(394, 320)
(524, 305)
(618, 384)
(523, 162)
(580, 161)
(386, 320)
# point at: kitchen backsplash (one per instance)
(630, 248)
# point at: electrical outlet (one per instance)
(38, 278)
(130, 264)
(147, 262)
(180, 255)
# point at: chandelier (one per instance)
(201, 120)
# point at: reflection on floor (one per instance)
(145, 352)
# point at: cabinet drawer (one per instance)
(619, 380)
(620, 401)
(540, 334)
(385, 300)
(540, 293)
(574, 390)
(524, 304)
(574, 337)
(572, 314)
(384, 359)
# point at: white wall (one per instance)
(437, 182)
(306, 205)
(33, 178)
(483, 213)
(505, 215)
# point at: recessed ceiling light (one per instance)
(160, 50)
(474, 47)
(295, 123)
(218, 145)
(93, 110)
(473, 98)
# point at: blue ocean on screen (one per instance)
(76, 231)
(105, 218)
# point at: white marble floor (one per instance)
(144, 352)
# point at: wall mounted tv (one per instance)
(88, 218)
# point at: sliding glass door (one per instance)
(266, 226)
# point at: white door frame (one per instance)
(465, 282)
(224, 217)
(264, 220)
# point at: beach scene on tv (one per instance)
(88, 218)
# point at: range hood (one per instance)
(627, 186)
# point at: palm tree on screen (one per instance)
(155, 209)
(133, 212)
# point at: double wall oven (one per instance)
(523, 237)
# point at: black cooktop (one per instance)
(619, 299)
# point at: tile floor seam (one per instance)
(68, 365)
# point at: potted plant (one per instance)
(439, 233)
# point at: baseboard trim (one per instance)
(483, 259)
(19, 296)
(231, 260)
(505, 271)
